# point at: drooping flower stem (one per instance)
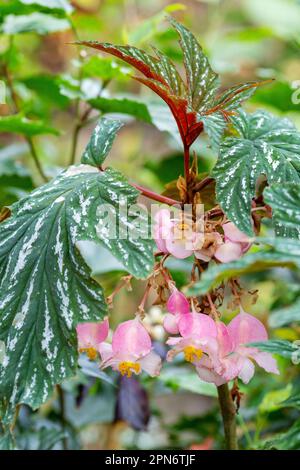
(229, 417)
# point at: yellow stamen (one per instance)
(126, 368)
(90, 352)
(192, 354)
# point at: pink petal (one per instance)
(224, 339)
(179, 248)
(266, 361)
(131, 338)
(246, 368)
(233, 234)
(229, 251)
(170, 324)
(178, 303)
(210, 376)
(245, 328)
(105, 350)
(92, 334)
(198, 325)
(151, 363)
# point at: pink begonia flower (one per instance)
(235, 244)
(223, 368)
(175, 236)
(198, 336)
(90, 335)
(219, 352)
(130, 351)
(243, 329)
(177, 305)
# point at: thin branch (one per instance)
(61, 399)
(187, 166)
(202, 184)
(28, 139)
(154, 196)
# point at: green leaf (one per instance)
(39, 23)
(292, 402)
(123, 106)
(267, 145)
(101, 142)
(289, 440)
(214, 126)
(202, 80)
(285, 202)
(104, 68)
(46, 288)
(180, 378)
(272, 401)
(19, 124)
(7, 441)
(15, 178)
(47, 88)
(285, 316)
(283, 252)
(62, 5)
(48, 438)
(277, 346)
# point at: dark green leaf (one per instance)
(289, 440)
(267, 145)
(46, 288)
(214, 126)
(293, 401)
(123, 106)
(277, 346)
(101, 142)
(19, 124)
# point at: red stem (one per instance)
(155, 196)
(187, 164)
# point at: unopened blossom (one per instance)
(235, 244)
(90, 336)
(130, 351)
(177, 305)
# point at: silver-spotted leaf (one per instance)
(101, 142)
(285, 202)
(266, 145)
(46, 287)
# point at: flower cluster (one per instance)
(179, 238)
(219, 353)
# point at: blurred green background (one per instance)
(55, 82)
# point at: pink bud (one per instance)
(178, 303)
(170, 324)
